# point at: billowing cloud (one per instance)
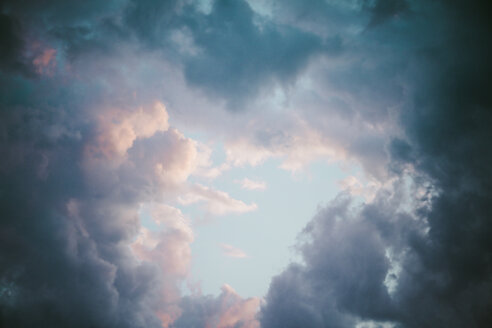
(401, 88)
(231, 52)
(225, 311)
(170, 249)
(74, 251)
(118, 130)
(416, 254)
(45, 62)
(356, 187)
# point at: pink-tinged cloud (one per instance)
(217, 202)
(171, 167)
(137, 153)
(118, 129)
(251, 184)
(45, 62)
(359, 187)
(170, 249)
(231, 251)
(297, 148)
(142, 148)
(228, 310)
(235, 310)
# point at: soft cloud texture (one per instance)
(252, 184)
(231, 251)
(225, 311)
(170, 249)
(400, 88)
(118, 130)
(414, 255)
(217, 202)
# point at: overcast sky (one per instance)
(245, 163)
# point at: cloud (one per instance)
(225, 311)
(400, 87)
(251, 184)
(417, 253)
(383, 10)
(118, 130)
(234, 52)
(356, 187)
(170, 249)
(69, 262)
(45, 62)
(297, 147)
(217, 202)
(345, 251)
(170, 246)
(205, 167)
(231, 251)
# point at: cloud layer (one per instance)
(88, 95)
(416, 258)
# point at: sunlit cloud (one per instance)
(231, 251)
(251, 184)
(216, 202)
(296, 149)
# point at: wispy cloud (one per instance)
(231, 251)
(251, 184)
(217, 202)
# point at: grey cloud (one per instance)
(238, 56)
(63, 258)
(11, 43)
(238, 52)
(228, 310)
(343, 278)
(441, 244)
(383, 10)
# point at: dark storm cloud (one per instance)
(73, 27)
(236, 52)
(442, 245)
(345, 272)
(239, 55)
(11, 44)
(63, 259)
(383, 10)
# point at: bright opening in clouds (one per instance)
(245, 163)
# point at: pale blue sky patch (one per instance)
(266, 234)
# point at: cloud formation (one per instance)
(231, 251)
(225, 311)
(400, 87)
(418, 257)
(252, 184)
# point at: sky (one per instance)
(245, 163)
